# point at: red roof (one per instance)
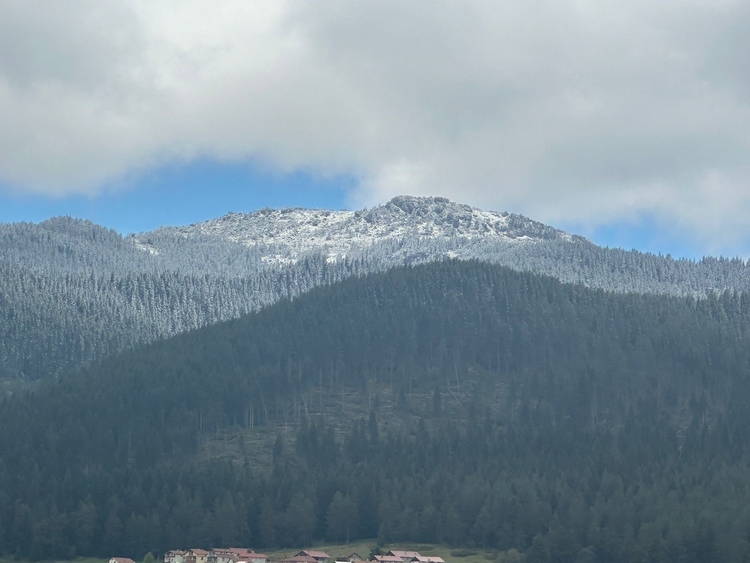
(198, 551)
(121, 559)
(315, 554)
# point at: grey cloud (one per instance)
(581, 111)
(75, 43)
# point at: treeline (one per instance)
(506, 410)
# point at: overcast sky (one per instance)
(623, 116)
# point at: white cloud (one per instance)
(570, 110)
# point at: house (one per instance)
(196, 556)
(387, 559)
(351, 558)
(423, 559)
(120, 560)
(221, 555)
(405, 555)
(248, 555)
(174, 556)
(234, 555)
(319, 556)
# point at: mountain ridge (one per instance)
(302, 230)
(72, 292)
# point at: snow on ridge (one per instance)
(294, 232)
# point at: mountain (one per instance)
(72, 292)
(422, 229)
(287, 235)
(454, 402)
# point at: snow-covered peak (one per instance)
(293, 232)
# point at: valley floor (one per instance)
(362, 547)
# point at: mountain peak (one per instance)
(295, 232)
(408, 203)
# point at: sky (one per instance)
(625, 121)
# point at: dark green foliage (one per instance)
(517, 413)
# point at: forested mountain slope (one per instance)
(72, 292)
(452, 402)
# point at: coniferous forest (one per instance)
(453, 402)
(72, 292)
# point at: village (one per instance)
(245, 555)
